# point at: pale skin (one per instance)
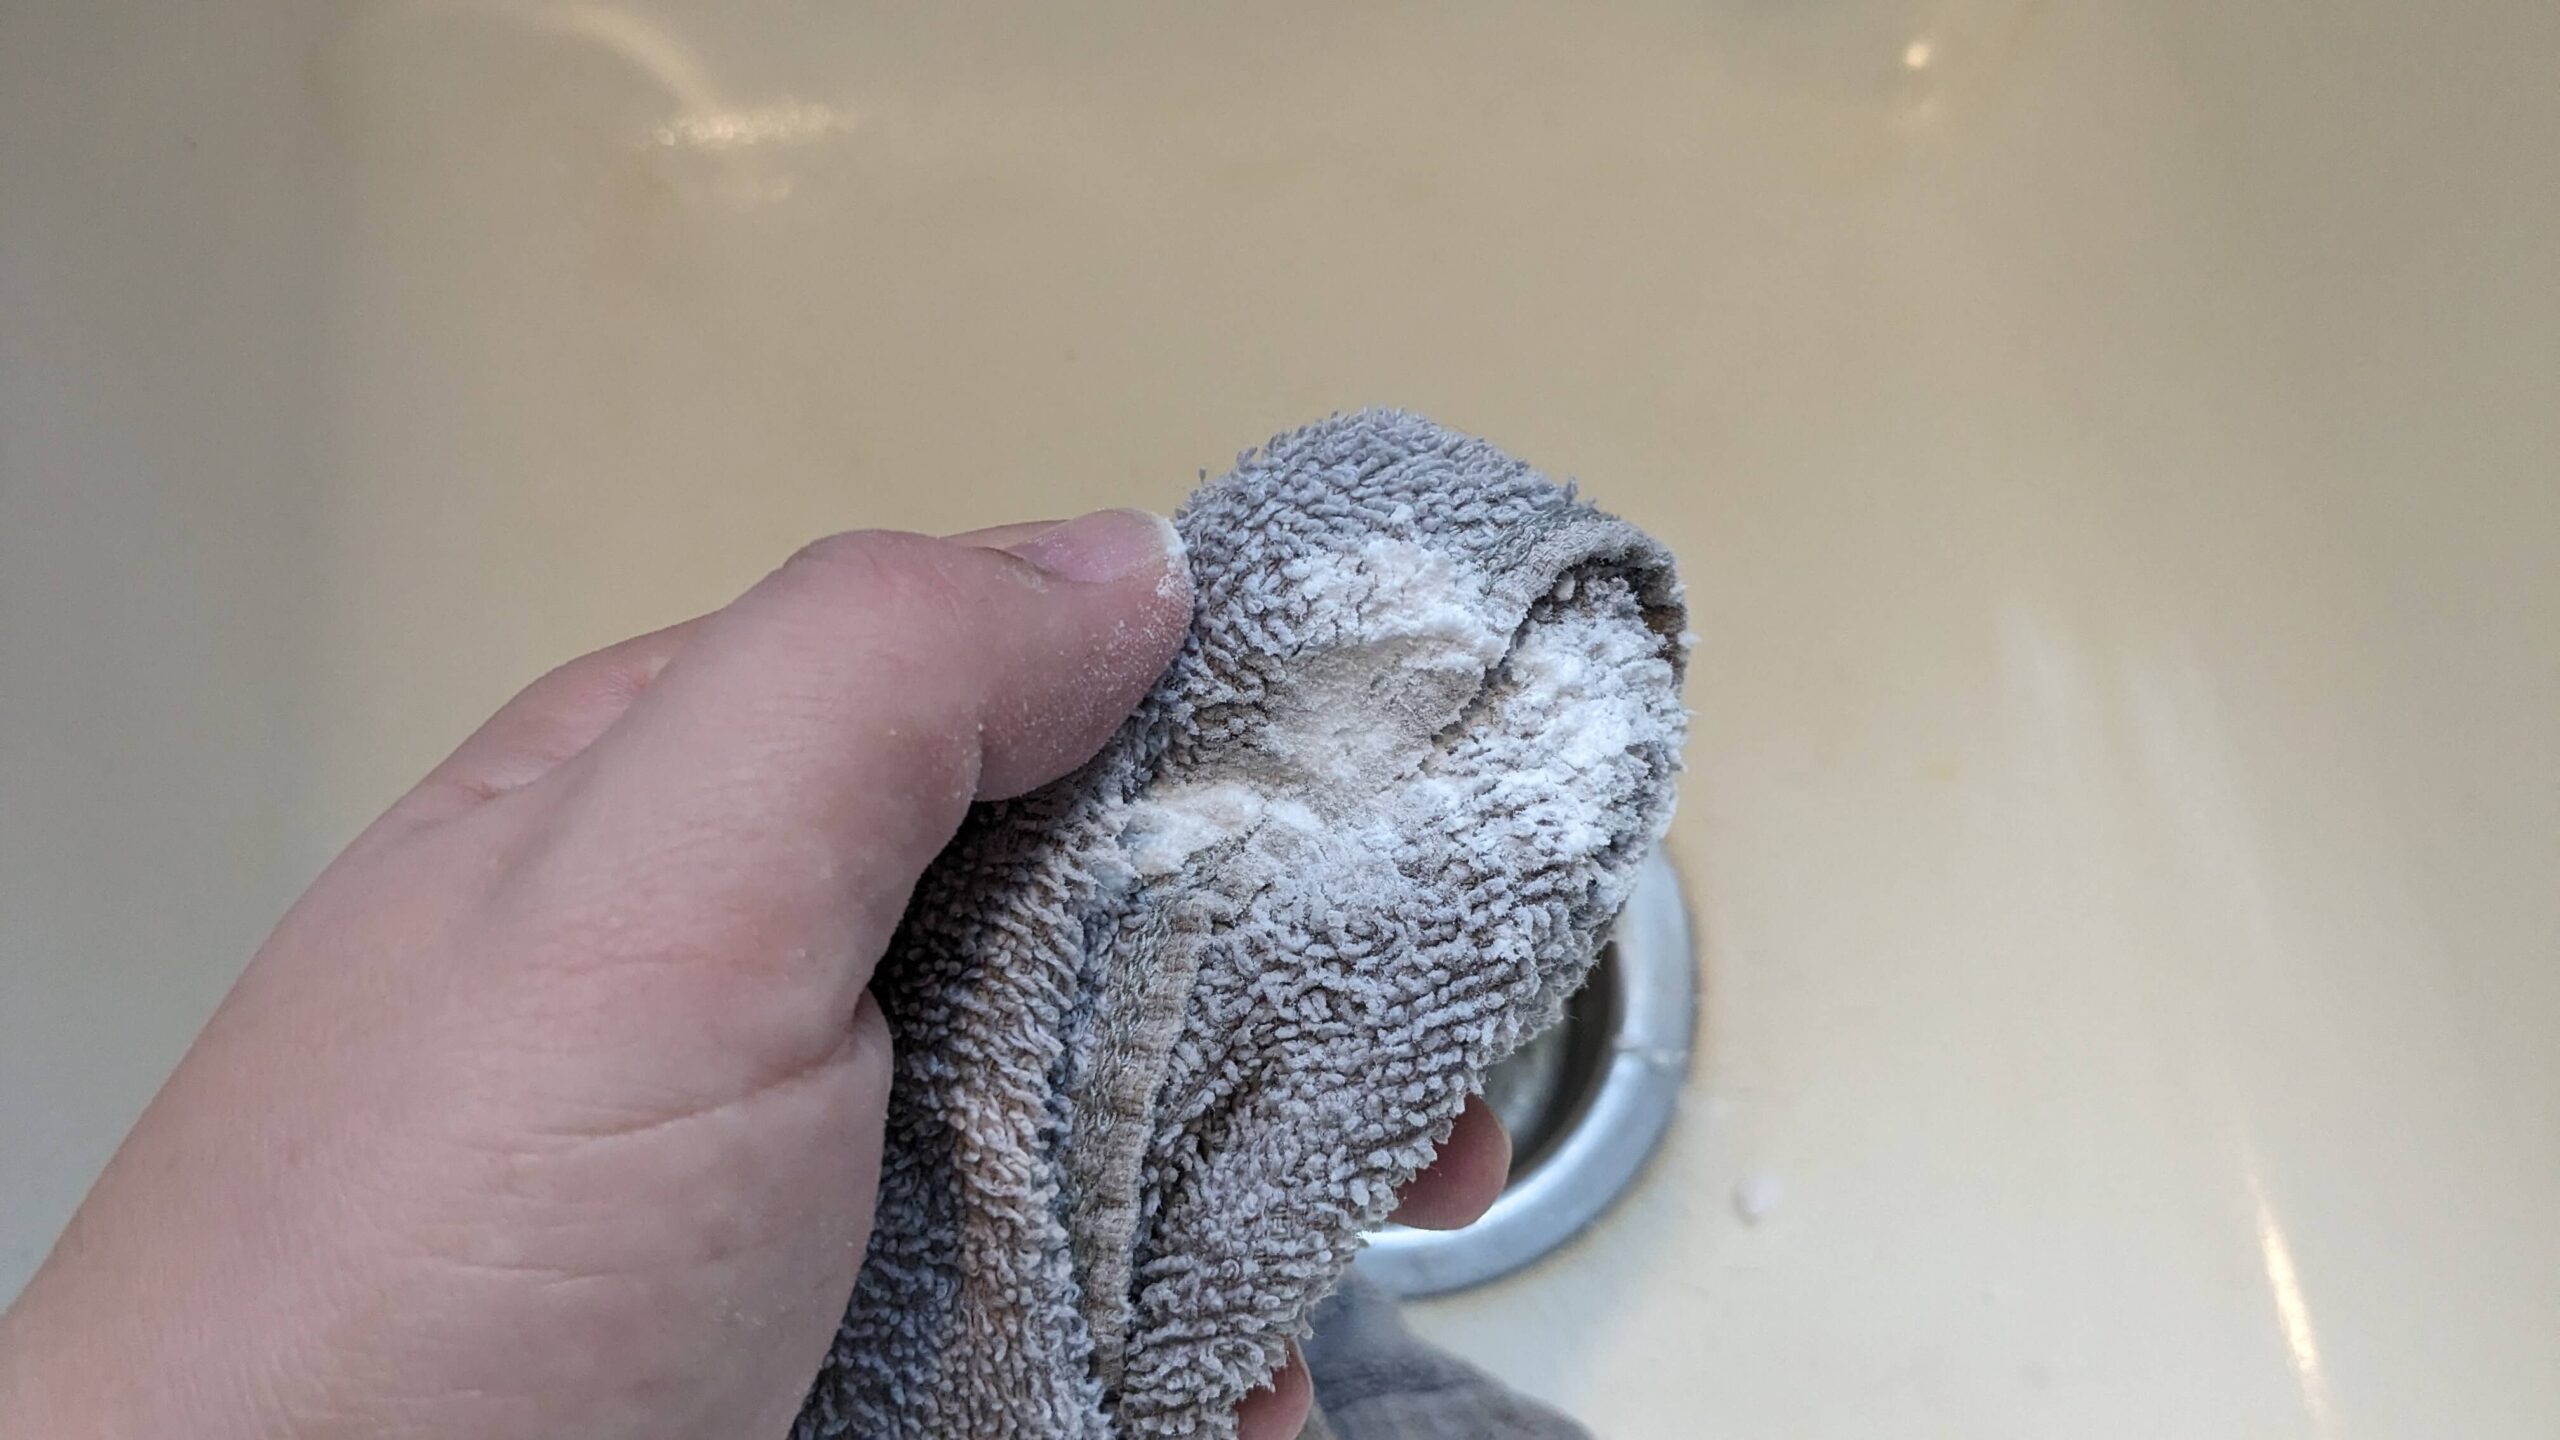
(553, 1108)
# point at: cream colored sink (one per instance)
(2115, 447)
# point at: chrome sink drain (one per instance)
(1586, 1103)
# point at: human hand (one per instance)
(554, 1107)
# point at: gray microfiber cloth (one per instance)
(1171, 1032)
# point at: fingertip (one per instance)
(872, 1045)
(1278, 1410)
(1135, 556)
(1104, 546)
(1464, 1178)
(1125, 573)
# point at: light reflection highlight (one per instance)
(2293, 1313)
(788, 123)
(703, 121)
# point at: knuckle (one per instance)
(902, 592)
(856, 551)
(867, 569)
(588, 683)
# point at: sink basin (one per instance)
(2110, 447)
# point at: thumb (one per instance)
(792, 771)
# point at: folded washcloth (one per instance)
(1171, 1031)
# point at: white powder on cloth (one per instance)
(1418, 645)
